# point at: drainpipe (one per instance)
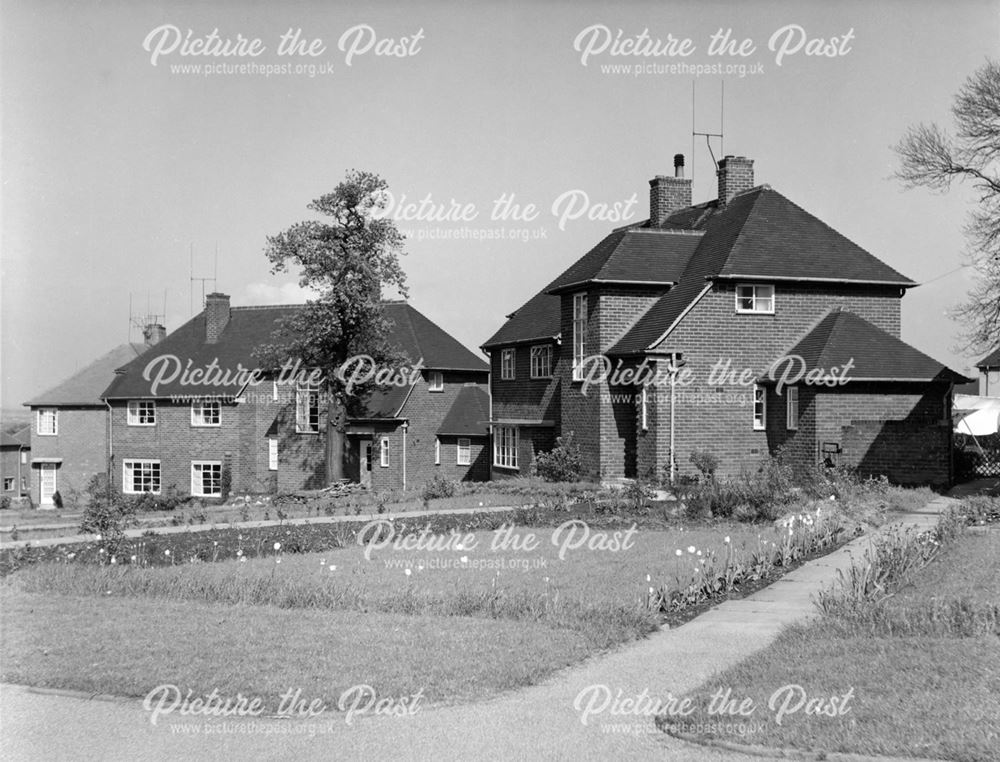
(111, 446)
(673, 387)
(406, 425)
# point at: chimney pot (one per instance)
(216, 316)
(153, 334)
(668, 195)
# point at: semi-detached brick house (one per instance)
(716, 302)
(270, 436)
(69, 432)
(15, 468)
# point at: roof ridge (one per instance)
(668, 231)
(739, 236)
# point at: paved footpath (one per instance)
(538, 722)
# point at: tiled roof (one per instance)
(992, 360)
(19, 438)
(632, 255)
(384, 403)
(759, 234)
(250, 327)
(85, 386)
(468, 415)
(874, 355)
(538, 319)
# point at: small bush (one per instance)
(4, 503)
(563, 463)
(108, 514)
(437, 487)
(57, 500)
(706, 462)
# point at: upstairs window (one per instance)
(307, 409)
(507, 365)
(541, 361)
(758, 299)
(579, 334)
(141, 413)
(48, 426)
(206, 413)
(435, 381)
(792, 408)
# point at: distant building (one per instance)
(15, 467)
(69, 433)
(989, 374)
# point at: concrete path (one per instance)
(539, 722)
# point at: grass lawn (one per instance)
(922, 695)
(458, 629)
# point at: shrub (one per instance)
(706, 462)
(57, 500)
(563, 463)
(437, 487)
(108, 514)
(4, 503)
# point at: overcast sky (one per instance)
(114, 167)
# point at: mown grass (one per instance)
(128, 646)
(923, 663)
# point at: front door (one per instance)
(365, 446)
(46, 483)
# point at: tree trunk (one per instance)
(336, 425)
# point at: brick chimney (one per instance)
(669, 194)
(216, 316)
(153, 334)
(735, 176)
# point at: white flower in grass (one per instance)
(322, 562)
(239, 552)
(113, 560)
(679, 552)
(726, 540)
(277, 560)
(701, 561)
(407, 572)
(699, 553)
(333, 567)
(100, 551)
(243, 559)
(166, 552)
(277, 546)
(216, 543)
(691, 548)
(133, 559)
(98, 537)
(650, 591)
(648, 578)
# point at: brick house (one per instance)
(69, 432)
(15, 468)
(268, 433)
(738, 326)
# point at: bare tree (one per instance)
(932, 158)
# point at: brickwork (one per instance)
(527, 398)
(11, 468)
(735, 175)
(719, 417)
(81, 442)
(666, 196)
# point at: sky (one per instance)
(126, 150)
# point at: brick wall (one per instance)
(719, 417)
(526, 398)
(12, 468)
(82, 444)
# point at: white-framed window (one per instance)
(48, 423)
(752, 298)
(272, 454)
(206, 478)
(541, 361)
(792, 407)
(206, 413)
(437, 451)
(8, 484)
(644, 409)
(505, 446)
(383, 452)
(507, 365)
(24, 456)
(759, 408)
(140, 476)
(435, 381)
(141, 413)
(306, 409)
(579, 334)
(274, 390)
(463, 456)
